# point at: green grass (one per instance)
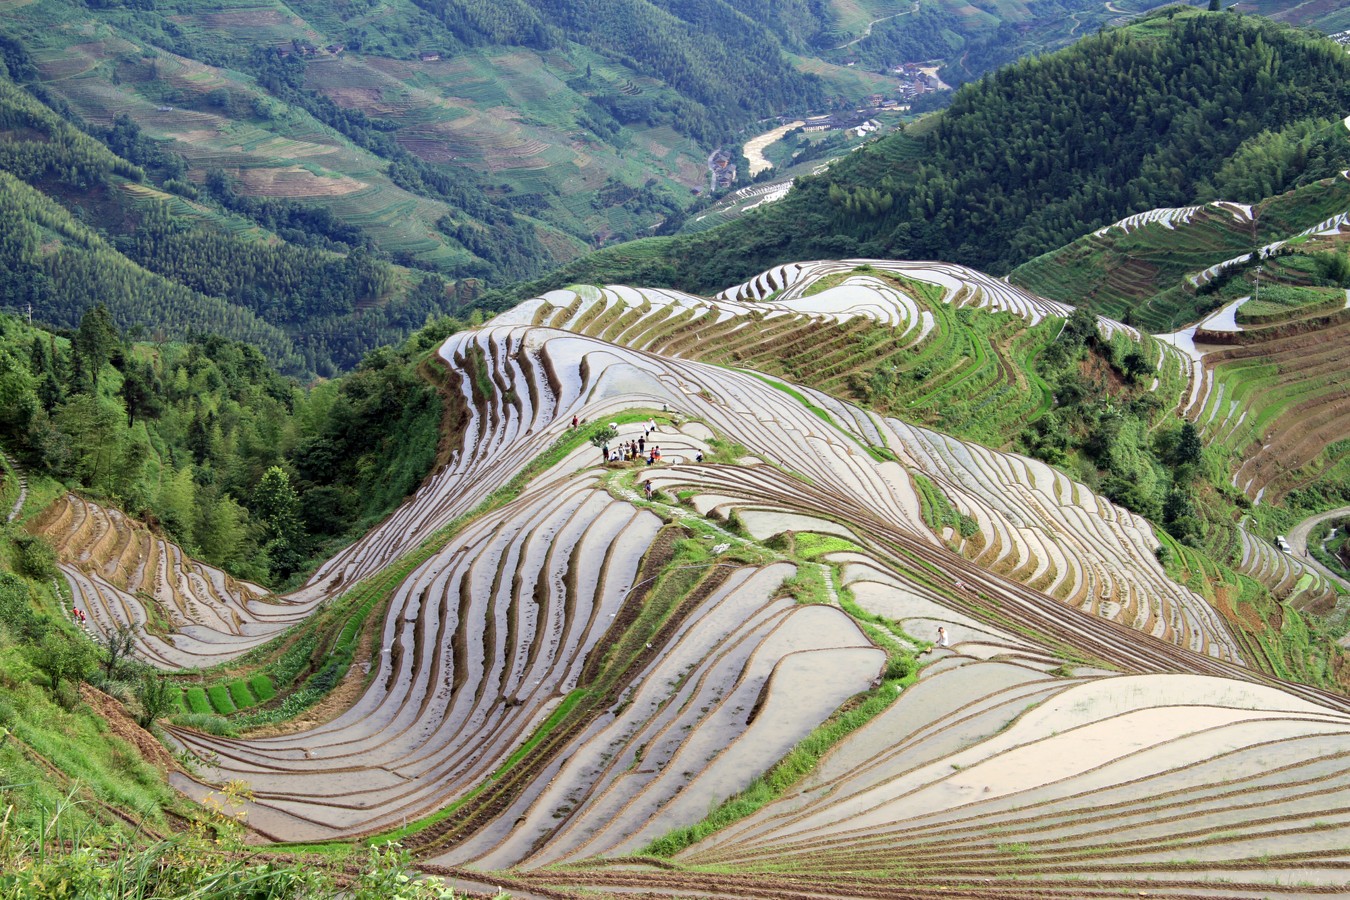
(50, 752)
(262, 687)
(195, 700)
(240, 695)
(219, 695)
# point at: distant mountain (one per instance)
(1155, 114)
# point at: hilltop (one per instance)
(546, 658)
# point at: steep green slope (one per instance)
(235, 462)
(476, 139)
(1141, 273)
(83, 225)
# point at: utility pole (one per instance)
(30, 313)
(1258, 284)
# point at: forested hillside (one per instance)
(1160, 113)
(477, 140)
(238, 464)
(84, 224)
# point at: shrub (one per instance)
(37, 559)
(156, 695)
(16, 610)
(63, 657)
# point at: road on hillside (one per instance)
(867, 32)
(1298, 542)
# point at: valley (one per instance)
(960, 513)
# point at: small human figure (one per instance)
(647, 488)
(642, 444)
(656, 453)
(574, 421)
(942, 640)
(698, 457)
(604, 452)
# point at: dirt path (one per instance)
(23, 487)
(1298, 542)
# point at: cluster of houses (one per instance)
(723, 169)
(859, 121)
(914, 81)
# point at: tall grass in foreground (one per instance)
(64, 859)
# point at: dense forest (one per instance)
(1180, 106)
(242, 466)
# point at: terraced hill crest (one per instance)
(717, 670)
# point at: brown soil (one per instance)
(368, 100)
(294, 181)
(123, 726)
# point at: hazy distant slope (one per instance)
(1033, 156)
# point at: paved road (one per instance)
(1298, 542)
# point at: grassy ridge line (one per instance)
(799, 763)
(901, 671)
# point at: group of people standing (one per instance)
(629, 450)
(634, 449)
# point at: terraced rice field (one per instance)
(285, 159)
(185, 613)
(600, 656)
(1273, 397)
(1141, 263)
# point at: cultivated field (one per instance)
(713, 673)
